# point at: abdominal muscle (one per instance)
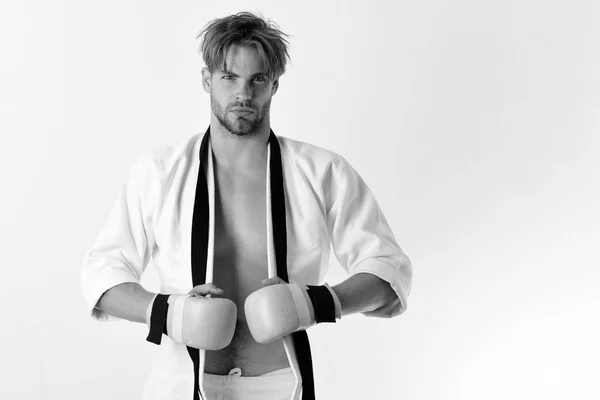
(254, 359)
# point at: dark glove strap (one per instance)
(323, 303)
(158, 319)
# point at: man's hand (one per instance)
(206, 289)
(279, 309)
(196, 319)
(273, 281)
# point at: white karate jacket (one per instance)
(326, 202)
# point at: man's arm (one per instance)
(363, 243)
(112, 268)
(363, 292)
(128, 301)
(273, 312)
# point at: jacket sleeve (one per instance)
(124, 246)
(362, 239)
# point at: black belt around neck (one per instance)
(200, 234)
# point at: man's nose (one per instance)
(244, 91)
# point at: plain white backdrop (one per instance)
(476, 124)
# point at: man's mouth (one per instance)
(242, 112)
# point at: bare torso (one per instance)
(240, 263)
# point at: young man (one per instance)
(238, 223)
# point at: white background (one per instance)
(476, 124)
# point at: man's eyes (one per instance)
(259, 79)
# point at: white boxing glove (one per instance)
(196, 321)
(278, 310)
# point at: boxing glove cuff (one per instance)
(158, 318)
(323, 303)
(175, 320)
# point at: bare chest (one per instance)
(240, 261)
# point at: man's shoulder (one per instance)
(320, 167)
(301, 152)
(167, 156)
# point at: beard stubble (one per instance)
(240, 126)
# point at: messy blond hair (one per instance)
(245, 29)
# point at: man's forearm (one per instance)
(127, 300)
(363, 292)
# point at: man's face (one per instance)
(240, 96)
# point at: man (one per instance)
(238, 223)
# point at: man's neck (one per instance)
(239, 154)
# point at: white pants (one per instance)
(276, 385)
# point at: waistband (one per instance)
(237, 373)
(280, 379)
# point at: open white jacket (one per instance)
(328, 205)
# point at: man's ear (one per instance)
(275, 86)
(206, 76)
